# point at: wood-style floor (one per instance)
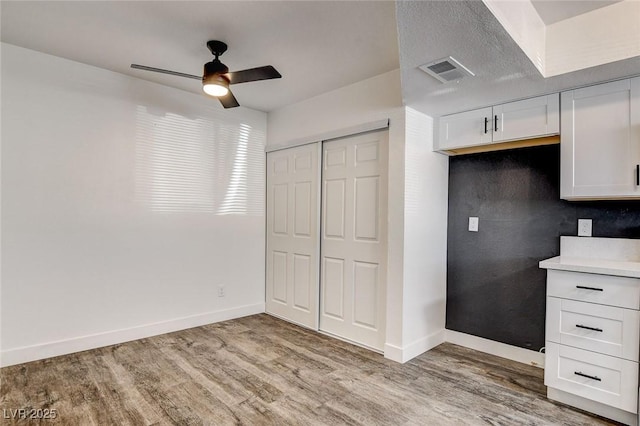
(260, 370)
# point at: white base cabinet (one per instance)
(592, 337)
(592, 331)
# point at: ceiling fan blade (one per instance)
(254, 74)
(160, 70)
(228, 100)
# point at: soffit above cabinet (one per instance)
(595, 34)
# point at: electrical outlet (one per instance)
(473, 224)
(584, 227)
(221, 291)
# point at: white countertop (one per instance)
(593, 266)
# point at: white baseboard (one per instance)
(414, 349)
(592, 406)
(83, 343)
(502, 350)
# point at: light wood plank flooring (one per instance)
(260, 370)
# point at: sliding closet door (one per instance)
(354, 246)
(292, 234)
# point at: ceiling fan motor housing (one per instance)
(215, 67)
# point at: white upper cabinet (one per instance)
(600, 141)
(529, 118)
(466, 129)
(525, 119)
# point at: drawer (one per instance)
(606, 379)
(604, 289)
(605, 329)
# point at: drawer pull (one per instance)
(589, 288)
(589, 328)
(578, 373)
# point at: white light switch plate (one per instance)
(473, 224)
(584, 227)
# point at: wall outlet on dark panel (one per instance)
(473, 224)
(584, 227)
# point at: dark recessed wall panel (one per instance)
(495, 289)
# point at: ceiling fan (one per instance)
(216, 77)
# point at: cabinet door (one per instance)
(600, 141)
(465, 129)
(526, 119)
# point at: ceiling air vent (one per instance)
(447, 69)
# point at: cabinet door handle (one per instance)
(637, 174)
(486, 122)
(495, 123)
(589, 328)
(578, 373)
(589, 288)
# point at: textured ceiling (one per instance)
(317, 46)
(430, 30)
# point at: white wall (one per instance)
(417, 215)
(124, 205)
(416, 309)
(370, 100)
(425, 239)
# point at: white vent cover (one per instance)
(447, 69)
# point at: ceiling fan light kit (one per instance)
(215, 85)
(216, 77)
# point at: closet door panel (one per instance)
(293, 222)
(353, 243)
